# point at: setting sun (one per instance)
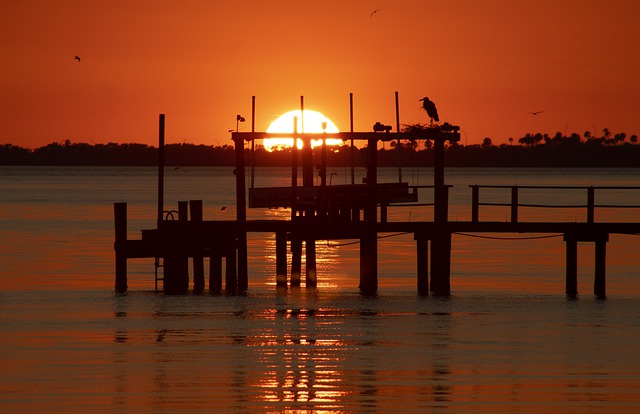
(309, 121)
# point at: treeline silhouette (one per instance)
(532, 150)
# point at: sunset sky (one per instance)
(486, 64)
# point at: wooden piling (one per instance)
(441, 263)
(369, 262)
(422, 255)
(120, 214)
(571, 285)
(600, 285)
(176, 263)
(241, 217)
(195, 208)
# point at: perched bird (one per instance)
(536, 112)
(430, 107)
(77, 58)
(374, 12)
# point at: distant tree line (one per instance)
(532, 150)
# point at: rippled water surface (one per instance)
(507, 340)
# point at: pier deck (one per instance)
(356, 211)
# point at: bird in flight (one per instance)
(536, 112)
(77, 58)
(430, 107)
(374, 12)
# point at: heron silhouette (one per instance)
(374, 12)
(430, 107)
(536, 113)
(77, 58)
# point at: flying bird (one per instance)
(536, 112)
(374, 12)
(430, 107)
(77, 58)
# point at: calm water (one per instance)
(507, 340)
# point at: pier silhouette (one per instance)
(335, 212)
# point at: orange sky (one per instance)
(486, 64)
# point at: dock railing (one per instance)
(514, 205)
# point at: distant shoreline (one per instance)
(559, 155)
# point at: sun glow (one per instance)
(308, 121)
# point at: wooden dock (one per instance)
(355, 211)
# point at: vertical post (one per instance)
(176, 263)
(160, 167)
(422, 253)
(398, 149)
(514, 204)
(571, 285)
(590, 204)
(253, 126)
(281, 259)
(441, 263)
(352, 148)
(441, 191)
(368, 261)
(195, 208)
(120, 218)
(241, 216)
(368, 233)
(600, 284)
(475, 203)
(294, 168)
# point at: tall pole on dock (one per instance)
(398, 148)
(352, 148)
(160, 167)
(241, 217)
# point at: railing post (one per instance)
(475, 202)
(514, 204)
(590, 204)
(120, 213)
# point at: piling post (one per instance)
(160, 167)
(590, 204)
(368, 235)
(571, 285)
(441, 239)
(368, 261)
(600, 285)
(176, 262)
(195, 208)
(514, 204)
(441, 262)
(281, 259)
(475, 203)
(241, 217)
(422, 254)
(120, 214)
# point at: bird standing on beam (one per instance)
(430, 107)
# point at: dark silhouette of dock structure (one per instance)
(334, 212)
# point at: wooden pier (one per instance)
(334, 212)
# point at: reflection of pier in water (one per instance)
(350, 211)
